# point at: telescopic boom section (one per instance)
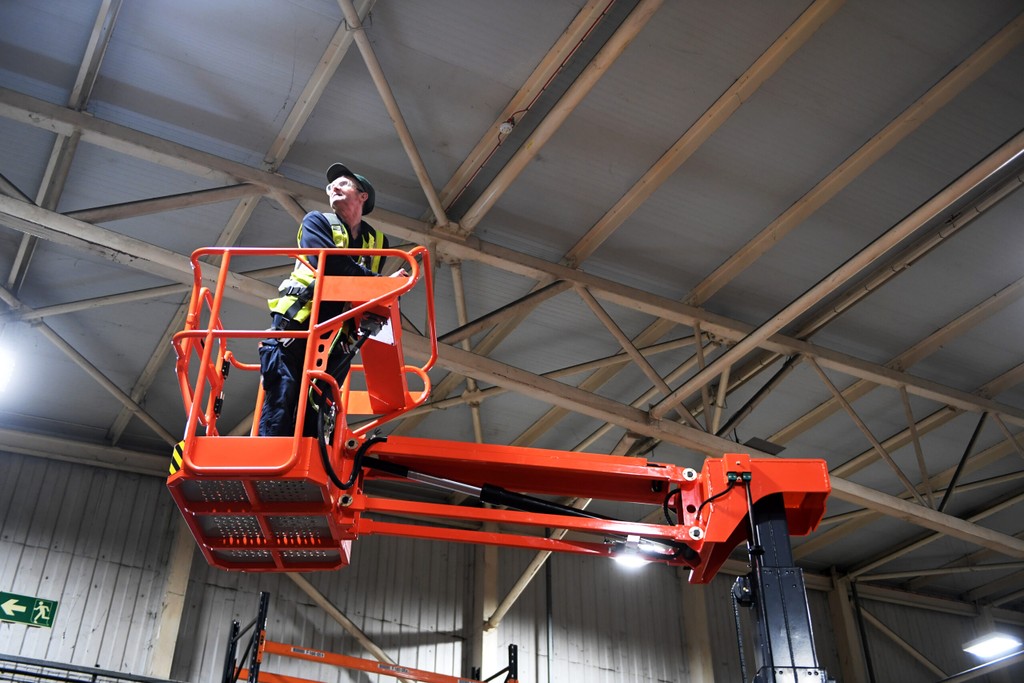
(296, 503)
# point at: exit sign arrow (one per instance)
(12, 606)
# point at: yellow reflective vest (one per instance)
(295, 302)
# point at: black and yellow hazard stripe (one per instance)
(179, 449)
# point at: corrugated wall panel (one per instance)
(722, 627)
(937, 636)
(609, 624)
(409, 597)
(97, 542)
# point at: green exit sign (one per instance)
(25, 609)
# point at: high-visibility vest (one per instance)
(295, 302)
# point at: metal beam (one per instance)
(624, 342)
(350, 626)
(824, 539)
(85, 364)
(113, 246)
(901, 643)
(918, 451)
(489, 370)
(973, 486)
(978, 176)
(846, 634)
(745, 86)
(899, 128)
(882, 274)
(84, 453)
(712, 120)
(941, 571)
(460, 310)
(937, 96)
(584, 83)
(986, 669)
(865, 567)
(879, 448)
(172, 606)
(1010, 582)
(322, 74)
(145, 207)
(590, 384)
(126, 298)
(155, 260)
(893, 596)
(65, 145)
(391, 105)
(934, 420)
(588, 17)
(976, 558)
(587, 366)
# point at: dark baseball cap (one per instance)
(338, 170)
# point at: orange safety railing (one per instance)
(386, 396)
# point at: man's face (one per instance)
(345, 191)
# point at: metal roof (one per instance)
(829, 183)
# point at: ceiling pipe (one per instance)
(498, 315)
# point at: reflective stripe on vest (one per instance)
(302, 277)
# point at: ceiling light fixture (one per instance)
(6, 368)
(991, 645)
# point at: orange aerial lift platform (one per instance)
(296, 503)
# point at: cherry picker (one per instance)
(297, 503)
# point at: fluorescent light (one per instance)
(992, 645)
(6, 368)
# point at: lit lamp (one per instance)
(628, 555)
(991, 645)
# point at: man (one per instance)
(351, 196)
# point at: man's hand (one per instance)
(401, 272)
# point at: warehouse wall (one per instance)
(408, 597)
(95, 540)
(608, 623)
(99, 541)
